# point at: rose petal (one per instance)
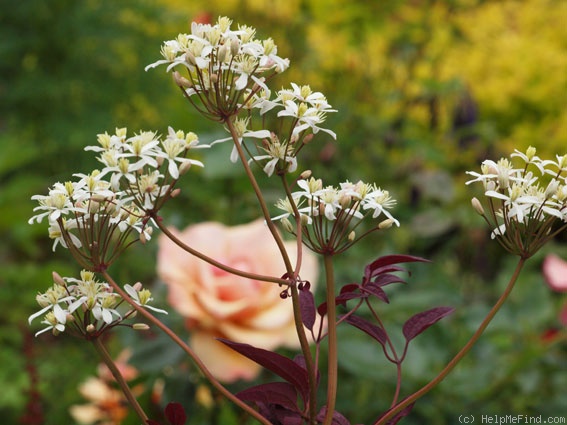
(225, 364)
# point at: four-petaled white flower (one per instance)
(91, 305)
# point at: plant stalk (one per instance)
(109, 362)
(259, 196)
(332, 365)
(459, 356)
(198, 362)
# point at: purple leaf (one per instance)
(374, 331)
(307, 306)
(175, 414)
(386, 279)
(343, 298)
(400, 415)
(280, 415)
(350, 288)
(338, 419)
(280, 393)
(280, 365)
(421, 321)
(378, 266)
(375, 290)
(322, 309)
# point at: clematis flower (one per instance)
(218, 304)
(524, 203)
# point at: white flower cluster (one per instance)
(303, 109)
(331, 210)
(220, 60)
(523, 199)
(86, 306)
(138, 176)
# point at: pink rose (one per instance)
(218, 304)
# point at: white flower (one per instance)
(380, 201)
(307, 117)
(54, 205)
(104, 308)
(242, 132)
(285, 205)
(277, 151)
(141, 297)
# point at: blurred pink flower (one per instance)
(218, 304)
(555, 272)
(106, 405)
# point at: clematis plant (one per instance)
(224, 73)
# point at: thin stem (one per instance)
(299, 232)
(289, 269)
(198, 362)
(394, 358)
(259, 196)
(212, 261)
(331, 339)
(107, 359)
(458, 357)
(306, 354)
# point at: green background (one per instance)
(425, 91)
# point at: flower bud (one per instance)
(223, 51)
(308, 138)
(477, 206)
(190, 58)
(140, 327)
(91, 328)
(181, 81)
(97, 198)
(305, 175)
(530, 152)
(234, 47)
(184, 167)
(137, 286)
(345, 201)
(352, 236)
(551, 188)
(175, 192)
(58, 279)
(94, 206)
(386, 224)
(287, 225)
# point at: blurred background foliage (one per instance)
(426, 90)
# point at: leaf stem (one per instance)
(332, 339)
(198, 362)
(107, 359)
(259, 196)
(212, 261)
(459, 356)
